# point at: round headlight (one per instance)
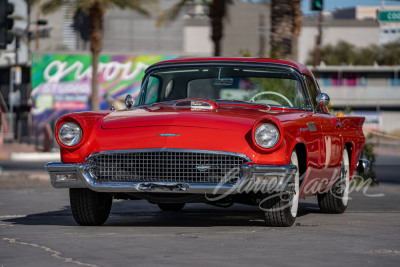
(266, 135)
(70, 134)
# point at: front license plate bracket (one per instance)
(162, 187)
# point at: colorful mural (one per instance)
(61, 83)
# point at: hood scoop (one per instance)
(196, 104)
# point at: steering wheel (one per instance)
(271, 93)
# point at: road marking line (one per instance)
(11, 216)
(55, 254)
(385, 251)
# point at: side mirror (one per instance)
(129, 101)
(323, 99)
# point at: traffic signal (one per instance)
(317, 5)
(6, 23)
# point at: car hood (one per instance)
(221, 117)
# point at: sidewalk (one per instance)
(24, 152)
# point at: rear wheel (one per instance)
(281, 210)
(171, 206)
(89, 207)
(336, 199)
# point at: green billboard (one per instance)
(389, 16)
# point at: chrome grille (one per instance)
(166, 166)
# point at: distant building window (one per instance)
(389, 34)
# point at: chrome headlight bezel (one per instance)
(70, 134)
(267, 135)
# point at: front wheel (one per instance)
(89, 207)
(336, 199)
(281, 210)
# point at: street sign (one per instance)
(389, 16)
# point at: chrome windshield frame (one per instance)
(295, 71)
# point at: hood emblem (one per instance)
(168, 134)
(203, 168)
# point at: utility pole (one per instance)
(318, 5)
(262, 32)
(318, 42)
(37, 27)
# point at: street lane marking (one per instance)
(11, 216)
(54, 253)
(385, 251)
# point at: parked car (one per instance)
(212, 130)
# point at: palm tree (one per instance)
(217, 13)
(286, 23)
(96, 10)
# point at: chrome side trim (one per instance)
(168, 135)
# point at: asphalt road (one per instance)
(37, 229)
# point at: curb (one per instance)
(46, 156)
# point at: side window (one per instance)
(299, 99)
(153, 85)
(313, 92)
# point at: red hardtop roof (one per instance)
(299, 66)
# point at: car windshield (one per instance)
(269, 86)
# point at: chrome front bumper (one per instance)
(254, 178)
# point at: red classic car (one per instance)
(212, 130)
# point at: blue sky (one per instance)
(333, 4)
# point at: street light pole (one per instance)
(37, 28)
(318, 42)
(11, 102)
